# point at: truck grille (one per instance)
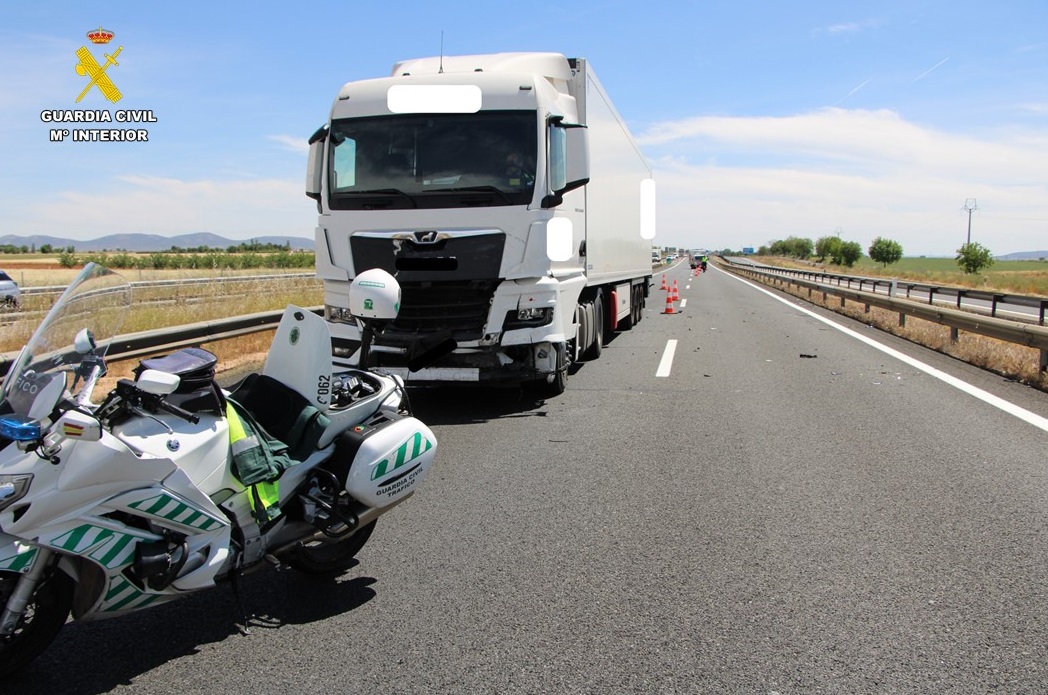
(458, 307)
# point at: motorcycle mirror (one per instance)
(84, 342)
(47, 396)
(157, 383)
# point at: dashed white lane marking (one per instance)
(667, 358)
(996, 401)
(683, 302)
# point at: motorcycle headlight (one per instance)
(13, 488)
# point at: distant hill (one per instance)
(144, 243)
(1024, 256)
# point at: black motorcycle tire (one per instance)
(44, 617)
(329, 557)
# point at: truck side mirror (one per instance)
(315, 163)
(568, 159)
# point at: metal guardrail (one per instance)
(934, 292)
(1017, 332)
(134, 345)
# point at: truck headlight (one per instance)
(528, 318)
(13, 488)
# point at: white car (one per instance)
(10, 295)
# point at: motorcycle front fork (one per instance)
(23, 592)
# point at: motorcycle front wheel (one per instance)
(329, 557)
(39, 625)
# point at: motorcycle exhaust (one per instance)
(364, 518)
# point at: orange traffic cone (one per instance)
(676, 294)
(669, 304)
(664, 285)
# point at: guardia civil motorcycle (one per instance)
(140, 498)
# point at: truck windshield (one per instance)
(433, 161)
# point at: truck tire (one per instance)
(636, 297)
(549, 389)
(594, 349)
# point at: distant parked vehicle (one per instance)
(10, 295)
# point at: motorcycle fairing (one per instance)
(15, 554)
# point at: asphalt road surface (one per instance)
(787, 510)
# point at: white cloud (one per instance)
(291, 143)
(727, 181)
(849, 27)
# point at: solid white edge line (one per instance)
(667, 358)
(996, 401)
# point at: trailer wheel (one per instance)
(597, 346)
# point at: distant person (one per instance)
(517, 173)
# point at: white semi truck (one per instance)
(508, 198)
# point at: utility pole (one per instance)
(970, 206)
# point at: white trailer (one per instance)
(509, 199)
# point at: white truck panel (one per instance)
(615, 249)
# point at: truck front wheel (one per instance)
(547, 388)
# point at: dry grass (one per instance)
(45, 272)
(162, 307)
(235, 356)
(181, 306)
(1012, 361)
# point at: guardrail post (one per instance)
(955, 335)
(993, 304)
(1040, 318)
(902, 320)
(1044, 360)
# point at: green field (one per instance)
(1012, 277)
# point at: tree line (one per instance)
(211, 260)
(971, 257)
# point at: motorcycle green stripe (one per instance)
(20, 560)
(116, 553)
(123, 595)
(107, 547)
(416, 444)
(167, 507)
(82, 538)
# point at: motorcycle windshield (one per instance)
(98, 300)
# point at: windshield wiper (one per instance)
(378, 191)
(476, 189)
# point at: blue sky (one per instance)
(761, 119)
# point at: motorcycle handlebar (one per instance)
(178, 412)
